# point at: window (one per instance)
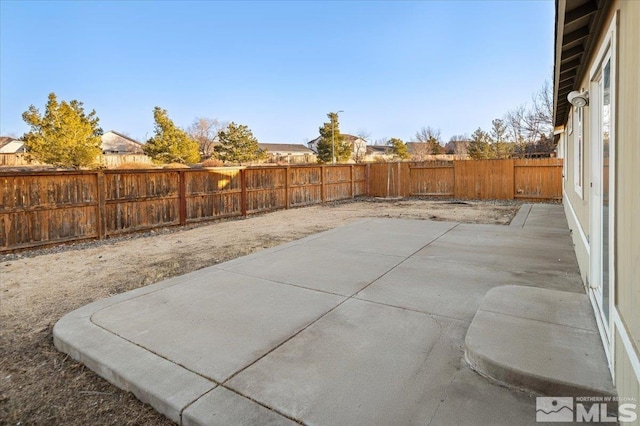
(578, 148)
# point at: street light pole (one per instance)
(333, 141)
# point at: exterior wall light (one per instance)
(578, 99)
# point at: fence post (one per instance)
(286, 188)
(399, 180)
(243, 188)
(352, 181)
(513, 187)
(456, 193)
(102, 223)
(322, 188)
(182, 197)
(367, 176)
(453, 190)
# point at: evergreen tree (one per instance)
(479, 147)
(331, 141)
(170, 144)
(499, 146)
(398, 148)
(238, 145)
(64, 136)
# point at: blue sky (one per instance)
(278, 67)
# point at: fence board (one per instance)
(137, 200)
(359, 180)
(305, 186)
(484, 179)
(106, 160)
(115, 160)
(212, 194)
(436, 179)
(538, 179)
(384, 180)
(19, 159)
(337, 182)
(404, 179)
(44, 209)
(266, 189)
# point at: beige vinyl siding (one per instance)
(627, 192)
(580, 205)
(627, 296)
(626, 382)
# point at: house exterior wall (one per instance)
(625, 318)
(358, 150)
(576, 203)
(627, 174)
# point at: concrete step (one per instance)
(538, 340)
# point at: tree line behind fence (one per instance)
(42, 208)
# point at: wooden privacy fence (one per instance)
(531, 179)
(106, 160)
(17, 159)
(42, 208)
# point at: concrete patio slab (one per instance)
(363, 363)
(330, 269)
(521, 337)
(440, 288)
(495, 247)
(218, 325)
(398, 237)
(468, 398)
(363, 324)
(506, 236)
(546, 217)
(222, 407)
(521, 217)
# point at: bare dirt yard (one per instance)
(39, 385)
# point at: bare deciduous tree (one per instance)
(460, 149)
(364, 134)
(205, 132)
(428, 134)
(542, 109)
(457, 146)
(457, 138)
(428, 142)
(360, 149)
(528, 125)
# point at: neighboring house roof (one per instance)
(377, 149)
(9, 145)
(114, 142)
(285, 148)
(5, 140)
(347, 137)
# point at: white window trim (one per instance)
(578, 151)
(609, 47)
